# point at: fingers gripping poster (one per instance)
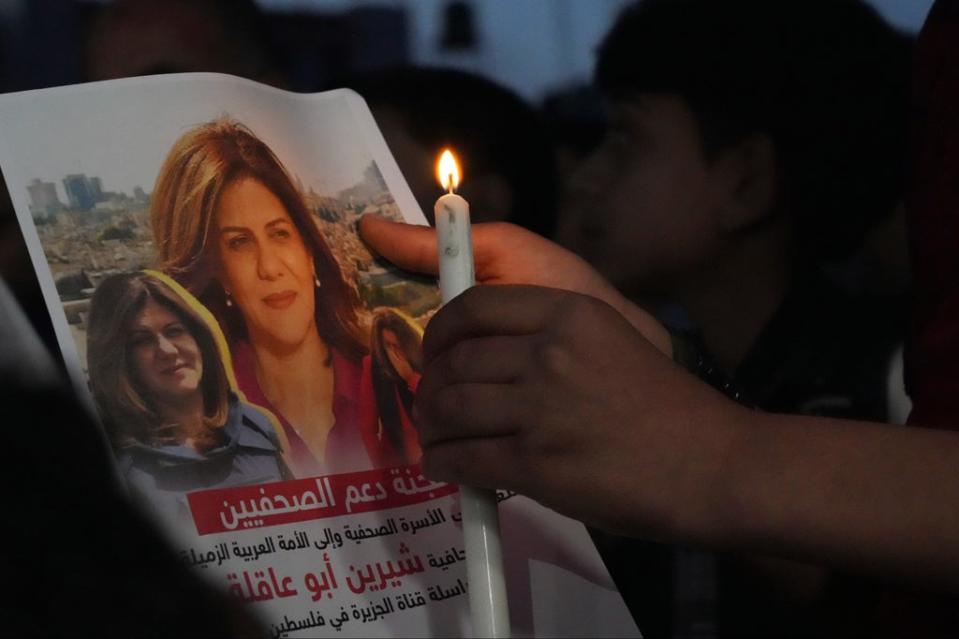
(254, 367)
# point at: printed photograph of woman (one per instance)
(395, 367)
(230, 225)
(165, 398)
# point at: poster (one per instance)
(253, 366)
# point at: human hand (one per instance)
(556, 396)
(508, 254)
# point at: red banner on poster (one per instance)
(230, 509)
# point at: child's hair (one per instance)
(826, 80)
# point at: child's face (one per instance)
(643, 208)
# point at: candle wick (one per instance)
(451, 184)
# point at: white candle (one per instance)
(484, 554)
(452, 214)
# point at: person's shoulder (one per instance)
(825, 352)
(259, 428)
(136, 475)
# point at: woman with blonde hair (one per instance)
(165, 398)
(230, 225)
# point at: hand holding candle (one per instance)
(484, 556)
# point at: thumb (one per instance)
(409, 246)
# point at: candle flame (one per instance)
(448, 170)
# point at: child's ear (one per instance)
(751, 175)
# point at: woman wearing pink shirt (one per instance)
(230, 225)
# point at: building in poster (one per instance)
(80, 191)
(44, 201)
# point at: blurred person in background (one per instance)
(576, 120)
(745, 158)
(143, 37)
(752, 146)
(509, 170)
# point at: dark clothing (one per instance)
(164, 475)
(932, 354)
(932, 351)
(825, 352)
